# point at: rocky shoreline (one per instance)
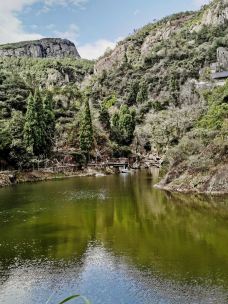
(186, 183)
(8, 178)
(212, 182)
(19, 177)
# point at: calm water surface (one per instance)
(115, 240)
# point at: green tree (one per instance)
(134, 89)
(115, 130)
(86, 129)
(18, 156)
(49, 121)
(104, 118)
(142, 95)
(127, 124)
(34, 128)
(5, 139)
(123, 125)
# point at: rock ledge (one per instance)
(43, 48)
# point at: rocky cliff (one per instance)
(150, 40)
(44, 48)
(164, 56)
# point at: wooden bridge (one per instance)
(112, 163)
(115, 163)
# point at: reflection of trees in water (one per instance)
(181, 236)
(161, 231)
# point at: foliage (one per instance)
(49, 122)
(12, 146)
(34, 128)
(123, 125)
(18, 154)
(142, 95)
(104, 118)
(120, 150)
(86, 129)
(4, 138)
(165, 128)
(133, 93)
(151, 74)
(164, 65)
(74, 297)
(217, 110)
(109, 101)
(79, 159)
(39, 127)
(206, 145)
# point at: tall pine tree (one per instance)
(49, 120)
(34, 128)
(86, 129)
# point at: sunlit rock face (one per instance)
(217, 14)
(222, 57)
(44, 48)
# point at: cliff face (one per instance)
(44, 48)
(147, 40)
(164, 56)
(216, 14)
(135, 48)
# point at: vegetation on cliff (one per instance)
(200, 160)
(152, 94)
(86, 129)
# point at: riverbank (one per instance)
(107, 167)
(213, 181)
(18, 177)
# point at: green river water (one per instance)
(113, 239)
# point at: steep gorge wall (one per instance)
(135, 50)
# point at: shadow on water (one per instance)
(115, 239)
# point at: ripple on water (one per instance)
(81, 195)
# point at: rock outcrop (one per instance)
(222, 57)
(216, 14)
(114, 59)
(214, 181)
(44, 48)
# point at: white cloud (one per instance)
(96, 49)
(71, 33)
(199, 3)
(44, 10)
(79, 3)
(11, 28)
(88, 50)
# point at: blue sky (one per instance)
(93, 25)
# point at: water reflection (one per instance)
(115, 239)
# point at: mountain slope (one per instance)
(155, 93)
(164, 70)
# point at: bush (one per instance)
(79, 158)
